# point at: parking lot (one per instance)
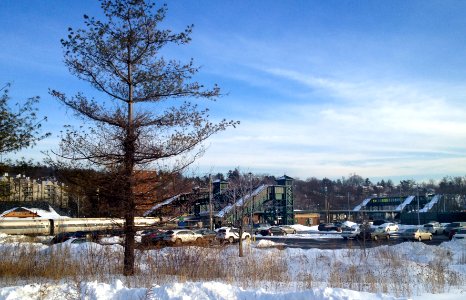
(333, 240)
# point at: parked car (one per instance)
(451, 228)
(389, 227)
(273, 230)
(207, 234)
(416, 234)
(64, 236)
(380, 233)
(179, 236)
(231, 234)
(433, 228)
(351, 232)
(379, 222)
(288, 229)
(453, 231)
(460, 234)
(259, 226)
(328, 227)
(447, 227)
(76, 241)
(153, 237)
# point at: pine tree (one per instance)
(20, 127)
(120, 57)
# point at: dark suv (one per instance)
(274, 230)
(64, 236)
(450, 229)
(329, 227)
(379, 222)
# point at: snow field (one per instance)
(266, 271)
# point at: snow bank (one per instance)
(302, 228)
(268, 244)
(183, 291)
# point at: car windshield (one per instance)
(411, 230)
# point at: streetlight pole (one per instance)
(418, 219)
(251, 199)
(210, 204)
(326, 205)
(348, 208)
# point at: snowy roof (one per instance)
(42, 213)
(158, 205)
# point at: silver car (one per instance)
(288, 229)
(182, 236)
(433, 228)
(351, 232)
(416, 234)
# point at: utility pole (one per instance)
(251, 199)
(348, 208)
(210, 203)
(418, 219)
(327, 217)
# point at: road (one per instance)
(334, 241)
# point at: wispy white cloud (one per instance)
(373, 128)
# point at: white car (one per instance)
(231, 234)
(460, 234)
(179, 236)
(389, 227)
(433, 228)
(351, 232)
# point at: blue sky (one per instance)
(322, 88)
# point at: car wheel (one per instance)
(430, 238)
(375, 238)
(247, 238)
(178, 242)
(345, 238)
(419, 239)
(388, 229)
(231, 239)
(388, 236)
(198, 240)
(294, 232)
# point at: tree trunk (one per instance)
(128, 269)
(129, 184)
(241, 241)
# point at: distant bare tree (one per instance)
(121, 58)
(240, 187)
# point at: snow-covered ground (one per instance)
(324, 265)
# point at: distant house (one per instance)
(24, 212)
(306, 218)
(19, 212)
